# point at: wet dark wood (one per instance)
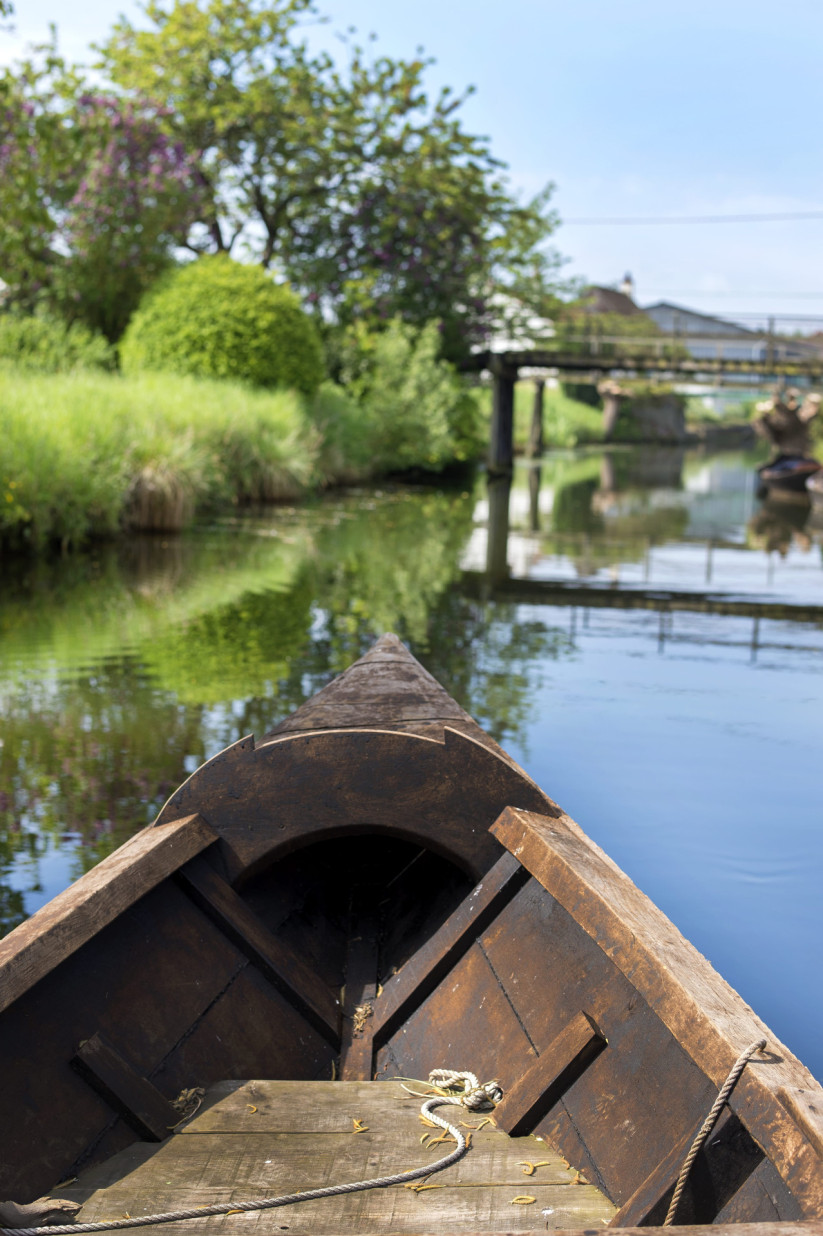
(622, 1114)
(175, 997)
(707, 1021)
(357, 1050)
(407, 989)
(139, 1102)
(71, 918)
(720, 1169)
(468, 1017)
(388, 689)
(540, 1087)
(266, 800)
(289, 974)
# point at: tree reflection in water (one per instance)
(125, 669)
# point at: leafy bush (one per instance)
(582, 392)
(46, 345)
(218, 319)
(417, 409)
(346, 430)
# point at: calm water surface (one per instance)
(577, 617)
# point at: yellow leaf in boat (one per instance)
(530, 1168)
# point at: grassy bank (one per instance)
(88, 454)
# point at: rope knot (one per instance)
(467, 1089)
(484, 1097)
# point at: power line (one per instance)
(656, 219)
(737, 296)
(704, 292)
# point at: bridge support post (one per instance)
(535, 448)
(501, 447)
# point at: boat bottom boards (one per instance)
(257, 1139)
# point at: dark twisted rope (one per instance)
(473, 1097)
(707, 1126)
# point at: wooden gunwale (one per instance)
(706, 1016)
(70, 919)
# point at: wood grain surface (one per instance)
(261, 1138)
(709, 1022)
(71, 918)
(266, 800)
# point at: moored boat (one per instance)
(788, 473)
(375, 890)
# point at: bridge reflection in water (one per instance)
(654, 529)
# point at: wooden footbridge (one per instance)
(662, 357)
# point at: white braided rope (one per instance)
(468, 1096)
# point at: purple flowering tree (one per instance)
(137, 194)
(94, 196)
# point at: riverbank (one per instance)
(88, 455)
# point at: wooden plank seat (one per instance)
(258, 1139)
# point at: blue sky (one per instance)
(633, 109)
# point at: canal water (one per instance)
(636, 628)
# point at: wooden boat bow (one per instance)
(376, 889)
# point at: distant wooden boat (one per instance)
(375, 889)
(788, 473)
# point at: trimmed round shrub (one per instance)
(219, 319)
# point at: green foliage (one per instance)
(583, 392)
(345, 430)
(94, 194)
(63, 465)
(569, 422)
(85, 454)
(372, 199)
(47, 345)
(215, 318)
(698, 412)
(419, 412)
(578, 330)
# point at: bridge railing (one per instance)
(682, 346)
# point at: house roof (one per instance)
(729, 328)
(609, 300)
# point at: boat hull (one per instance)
(366, 902)
(788, 474)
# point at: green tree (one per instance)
(94, 194)
(370, 197)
